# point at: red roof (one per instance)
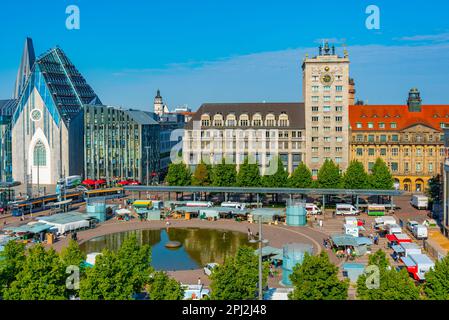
(430, 115)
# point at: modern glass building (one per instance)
(120, 144)
(48, 123)
(7, 108)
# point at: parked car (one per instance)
(209, 267)
(312, 209)
(346, 209)
(411, 225)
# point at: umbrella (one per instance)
(123, 183)
(101, 181)
(88, 182)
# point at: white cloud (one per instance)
(441, 37)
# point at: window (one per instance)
(327, 118)
(314, 98)
(39, 154)
(314, 139)
(441, 152)
(327, 98)
(327, 88)
(338, 98)
(370, 125)
(370, 165)
(338, 129)
(338, 159)
(406, 152)
(359, 151)
(205, 123)
(383, 152)
(359, 125)
(383, 138)
(359, 138)
(394, 138)
(327, 149)
(327, 129)
(327, 139)
(339, 109)
(326, 108)
(315, 159)
(315, 109)
(394, 152)
(339, 139)
(371, 151)
(315, 119)
(394, 166)
(315, 129)
(418, 167)
(338, 119)
(339, 88)
(371, 138)
(393, 125)
(314, 149)
(381, 125)
(431, 167)
(338, 149)
(406, 168)
(431, 152)
(315, 88)
(314, 172)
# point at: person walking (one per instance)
(199, 281)
(321, 223)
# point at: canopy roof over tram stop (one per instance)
(356, 193)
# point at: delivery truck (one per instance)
(419, 202)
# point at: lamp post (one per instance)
(261, 242)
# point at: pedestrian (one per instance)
(333, 214)
(321, 223)
(199, 281)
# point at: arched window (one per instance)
(257, 120)
(244, 120)
(283, 120)
(205, 120)
(231, 120)
(270, 120)
(39, 154)
(218, 120)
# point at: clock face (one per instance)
(327, 78)
(35, 115)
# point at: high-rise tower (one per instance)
(326, 100)
(159, 107)
(26, 63)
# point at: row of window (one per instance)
(328, 149)
(326, 88)
(327, 129)
(245, 121)
(327, 119)
(327, 98)
(394, 166)
(419, 152)
(327, 108)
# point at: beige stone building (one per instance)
(235, 131)
(327, 92)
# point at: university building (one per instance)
(409, 138)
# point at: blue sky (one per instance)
(199, 51)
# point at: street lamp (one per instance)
(261, 242)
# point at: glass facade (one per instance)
(6, 110)
(117, 143)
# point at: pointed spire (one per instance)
(26, 63)
(158, 94)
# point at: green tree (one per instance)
(178, 175)
(437, 281)
(238, 277)
(301, 177)
(276, 179)
(248, 175)
(380, 177)
(434, 189)
(118, 275)
(329, 176)
(224, 175)
(41, 278)
(317, 279)
(162, 287)
(11, 263)
(393, 284)
(355, 176)
(201, 175)
(72, 255)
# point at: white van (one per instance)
(393, 229)
(312, 209)
(419, 202)
(346, 209)
(235, 205)
(420, 231)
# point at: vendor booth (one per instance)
(359, 245)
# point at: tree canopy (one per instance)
(248, 175)
(238, 277)
(437, 281)
(224, 175)
(42, 277)
(11, 262)
(277, 179)
(316, 278)
(380, 177)
(118, 275)
(162, 287)
(178, 175)
(329, 176)
(301, 177)
(355, 176)
(393, 284)
(201, 176)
